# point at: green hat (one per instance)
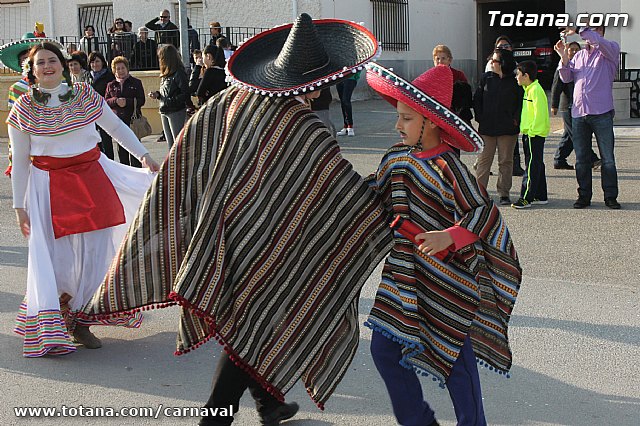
(10, 51)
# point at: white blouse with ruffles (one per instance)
(25, 145)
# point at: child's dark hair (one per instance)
(528, 67)
(217, 53)
(223, 43)
(37, 94)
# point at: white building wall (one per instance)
(431, 22)
(574, 7)
(629, 36)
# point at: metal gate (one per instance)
(101, 17)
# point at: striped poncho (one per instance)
(263, 234)
(430, 306)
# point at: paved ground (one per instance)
(575, 331)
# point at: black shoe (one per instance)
(581, 203)
(505, 201)
(521, 204)
(563, 166)
(518, 171)
(282, 412)
(612, 203)
(161, 138)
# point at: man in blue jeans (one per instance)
(593, 70)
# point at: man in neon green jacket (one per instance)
(534, 126)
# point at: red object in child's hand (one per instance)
(406, 228)
(410, 230)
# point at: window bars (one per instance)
(391, 24)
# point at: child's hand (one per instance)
(434, 242)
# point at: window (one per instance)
(195, 14)
(15, 20)
(391, 24)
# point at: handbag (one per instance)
(139, 124)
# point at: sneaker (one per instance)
(281, 412)
(85, 337)
(161, 138)
(581, 203)
(596, 164)
(563, 166)
(350, 131)
(612, 203)
(521, 204)
(342, 132)
(540, 202)
(505, 201)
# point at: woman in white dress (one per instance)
(71, 201)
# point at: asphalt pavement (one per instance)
(575, 330)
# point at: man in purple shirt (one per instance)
(593, 70)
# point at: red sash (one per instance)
(82, 197)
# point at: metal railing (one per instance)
(142, 56)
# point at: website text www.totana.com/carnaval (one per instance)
(521, 19)
(148, 412)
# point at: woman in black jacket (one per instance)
(100, 77)
(497, 104)
(214, 78)
(173, 93)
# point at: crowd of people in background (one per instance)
(91, 102)
(94, 61)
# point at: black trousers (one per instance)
(534, 181)
(106, 145)
(229, 383)
(127, 158)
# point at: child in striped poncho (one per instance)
(447, 291)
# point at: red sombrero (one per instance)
(430, 94)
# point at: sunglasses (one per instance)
(164, 17)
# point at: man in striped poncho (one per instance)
(259, 228)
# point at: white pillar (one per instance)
(184, 32)
(51, 31)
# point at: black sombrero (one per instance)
(293, 58)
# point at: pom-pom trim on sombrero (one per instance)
(367, 45)
(9, 52)
(456, 132)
